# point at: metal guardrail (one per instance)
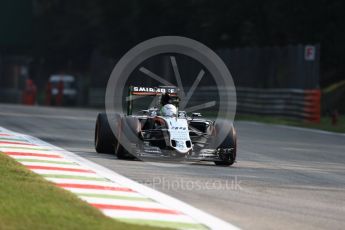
(290, 103)
(294, 103)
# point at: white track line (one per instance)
(44, 171)
(77, 181)
(40, 158)
(152, 216)
(131, 203)
(105, 192)
(28, 151)
(21, 145)
(74, 166)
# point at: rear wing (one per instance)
(148, 91)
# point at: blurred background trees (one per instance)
(66, 32)
(85, 38)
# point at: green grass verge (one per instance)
(27, 201)
(325, 123)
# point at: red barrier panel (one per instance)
(30, 92)
(312, 105)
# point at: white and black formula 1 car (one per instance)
(165, 132)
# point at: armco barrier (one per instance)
(293, 103)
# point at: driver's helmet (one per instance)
(169, 110)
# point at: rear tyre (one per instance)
(104, 137)
(129, 132)
(226, 156)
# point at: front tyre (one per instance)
(228, 148)
(130, 128)
(104, 137)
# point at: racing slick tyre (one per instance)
(104, 137)
(227, 149)
(130, 129)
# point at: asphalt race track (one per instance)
(285, 178)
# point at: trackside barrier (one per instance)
(285, 102)
(303, 104)
(293, 103)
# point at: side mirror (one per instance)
(196, 115)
